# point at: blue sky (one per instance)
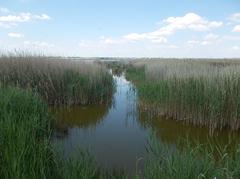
(126, 28)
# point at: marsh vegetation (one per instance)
(40, 95)
(58, 81)
(28, 85)
(198, 92)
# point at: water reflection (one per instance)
(113, 136)
(78, 116)
(170, 132)
(117, 134)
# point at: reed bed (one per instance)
(198, 161)
(58, 81)
(26, 150)
(25, 146)
(200, 92)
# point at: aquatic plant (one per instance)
(199, 161)
(25, 150)
(25, 146)
(201, 92)
(58, 80)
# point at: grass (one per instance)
(26, 151)
(200, 92)
(28, 84)
(58, 81)
(81, 165)
(117, 67)
(25, 145)
(197, 162)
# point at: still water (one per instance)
(116, 135)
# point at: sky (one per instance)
(124, 28)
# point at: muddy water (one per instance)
(111, 133)
(117, 134)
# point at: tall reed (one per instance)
(25, 146)
(204, 93)
(57, 80)
(200, 161)
(25, 150)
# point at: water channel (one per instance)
(117, 134)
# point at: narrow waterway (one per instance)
(116, 135)
(113, 135)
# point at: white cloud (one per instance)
(190, 21)
(235, 17)
(236, 48)
(211, 36)
(7, 25)
(37, 44)
(173, 46)
(159, 40)
(156, 42)
(134, 36)
(207, 40)
(22, 17)
(88, 44)
(4, 10)
(15, 35)
(210, 39)
(104, 42)
(236, 28)
(42, 17)
(10, 20)
(231, 38)
(111, 41)
(193, 42)
(83, 44)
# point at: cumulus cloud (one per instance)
(22, 17)
(171, 25)
(236, 28)
(42, 17)
(134, 36)
(190, 21)
(211, 36)
(8, 20)
(159, 38)
(6, 25)
(157, 42)
(206, 42)
(15, 35)
(235, 17)
(208, 39)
